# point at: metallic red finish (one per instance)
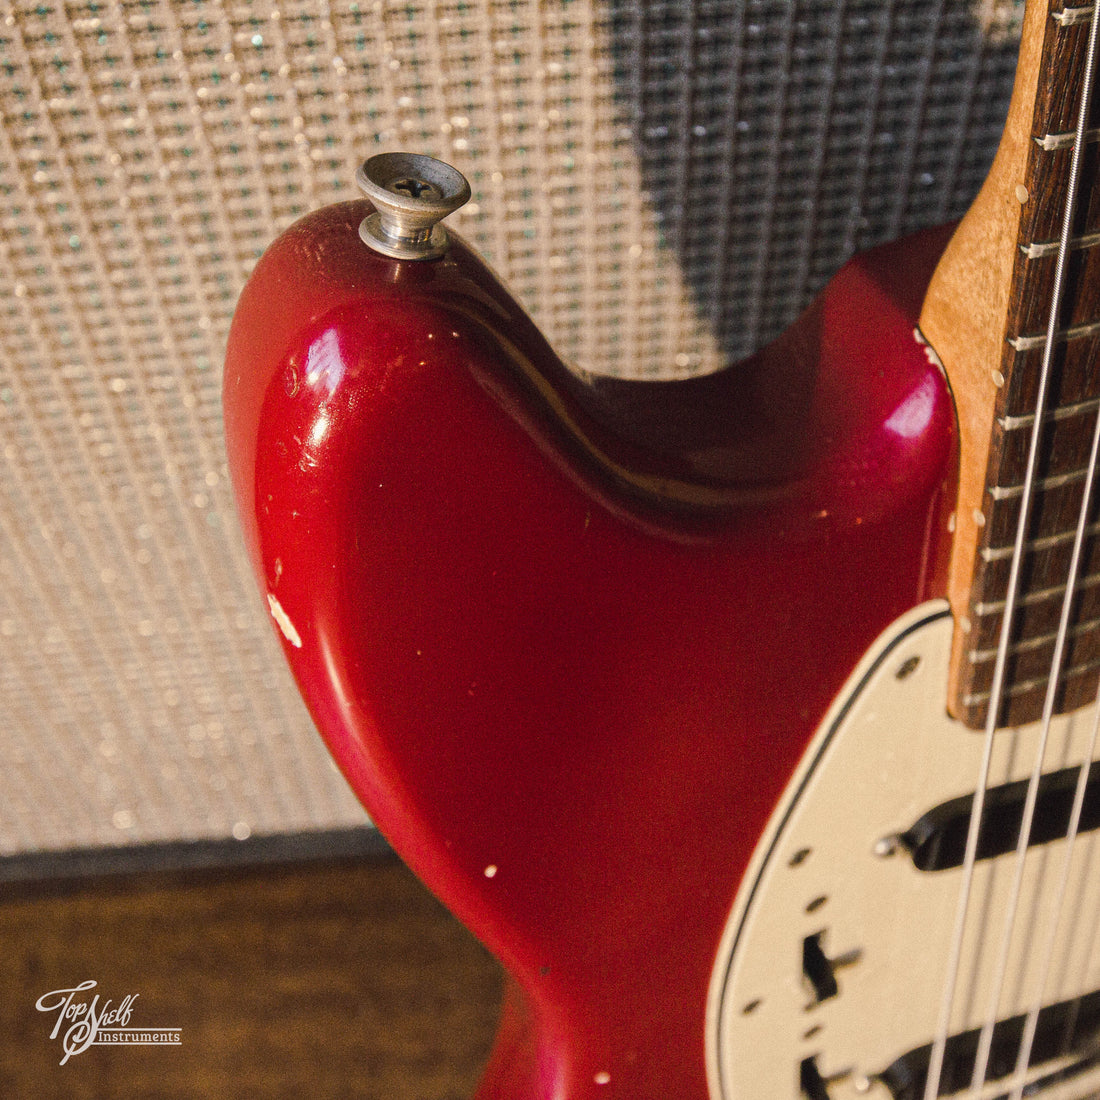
(569, 704)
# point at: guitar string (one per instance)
(1091, 939)
(996, 696)
(1023, 1057)
(977, 807)
(1056, 910)
(978, 1077)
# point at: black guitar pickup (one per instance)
(1065, 1047)
(937, 841)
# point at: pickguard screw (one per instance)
(907, 668)
(412, 194)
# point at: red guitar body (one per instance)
(568, 640)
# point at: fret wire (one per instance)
(1035, 596)
(1060, 336)
(1024, 687)
(1060, 412)
(1000, 553)
(1036, 641)
(1051, 143)
(1072, 17)
(1039, 249)
(1055, 481)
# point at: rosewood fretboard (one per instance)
(1071, 409)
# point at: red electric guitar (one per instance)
(746, 719)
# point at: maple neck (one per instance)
(988, 314)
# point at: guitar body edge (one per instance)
(572, 710)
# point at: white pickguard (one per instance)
(886, 754)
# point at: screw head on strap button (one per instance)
(412, 194)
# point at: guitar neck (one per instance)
(989, 315)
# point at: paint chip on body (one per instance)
(929, 351)
(491, 870)
(602, 1078)
(283, 619)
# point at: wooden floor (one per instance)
(313, 982)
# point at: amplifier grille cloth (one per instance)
(664, 184)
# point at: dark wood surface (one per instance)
(314, 981)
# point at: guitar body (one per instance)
(572, 673)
